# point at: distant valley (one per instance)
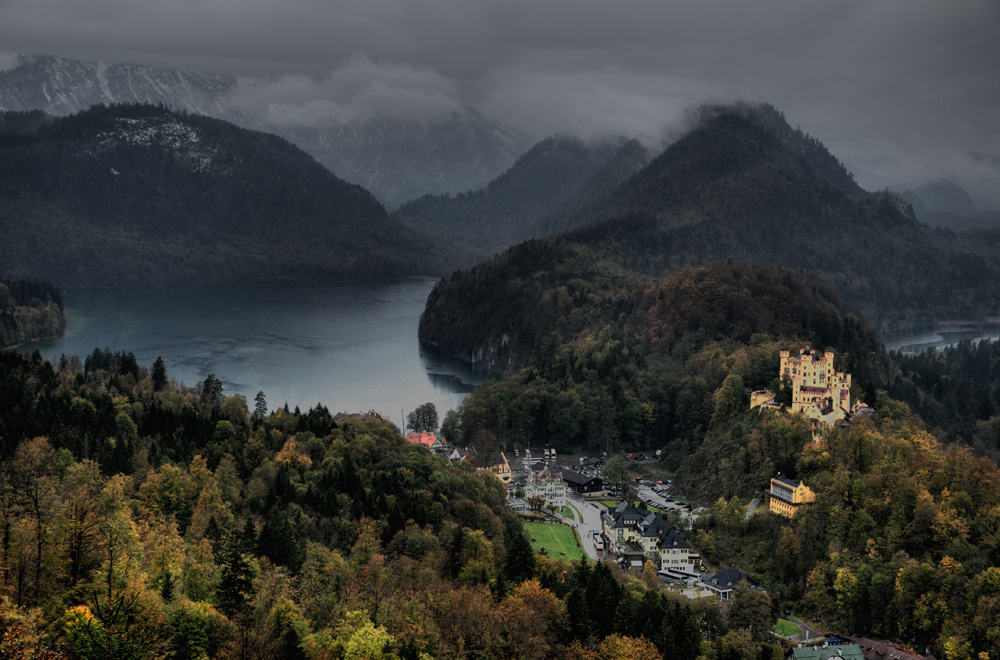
(550, 184)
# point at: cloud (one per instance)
(356, 89)
(902, 80)
(596, 104)
(8, 61)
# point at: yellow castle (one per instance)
(818, 391)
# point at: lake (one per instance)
(351, 347)
(941, 335)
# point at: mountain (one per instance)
(136, 195)
(63, 86)
(943, 203)
(400, 159)
(554, 179)
(396, 159)
(741, 186)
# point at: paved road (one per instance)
(591, 513)
(751, 508)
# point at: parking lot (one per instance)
(650, 496)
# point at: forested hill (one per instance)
(601, 359)
(743, 185)
(140, 195)
(29, 311)
(555, 179)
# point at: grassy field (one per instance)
(785, 628)
(567, 511)
(556, 539)
(614, 503)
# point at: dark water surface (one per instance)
(352, 347)
(942, 335)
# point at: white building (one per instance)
(543, 484)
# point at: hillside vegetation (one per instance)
(745, 186)
(137, 195)
(902, 541)
(601, 359)
(146, 520)
(29, 311)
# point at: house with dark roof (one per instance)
(621, 525)
(461, 454)
(724, 582)
(655, 537)
(872, 650)
(581, 483)
(538, 466)
(342, 417)
(670, 548)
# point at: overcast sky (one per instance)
(901, 90)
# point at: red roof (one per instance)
(425, 439)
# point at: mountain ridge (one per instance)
(396, 159)
(138, 195)
(550, 182)
(736, 188)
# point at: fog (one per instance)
(902, 91)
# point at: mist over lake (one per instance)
(351, 347)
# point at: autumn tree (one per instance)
(615, 471)
(751, 610)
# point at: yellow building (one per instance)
(502, 470)
(788, 495)
(818, 391)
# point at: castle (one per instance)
(818, 391)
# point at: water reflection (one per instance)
(448, 372)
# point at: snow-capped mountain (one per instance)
(62, 86)
(396, 159)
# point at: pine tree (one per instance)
(159, 375)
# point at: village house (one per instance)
(342, 417)
(429, 440)
(462, 454)
(581, 483)
(546, 485)
(723, 583)
(626, 528)
(502, 470)
(787, 495)
(873, 650)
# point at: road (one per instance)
(591, 520)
